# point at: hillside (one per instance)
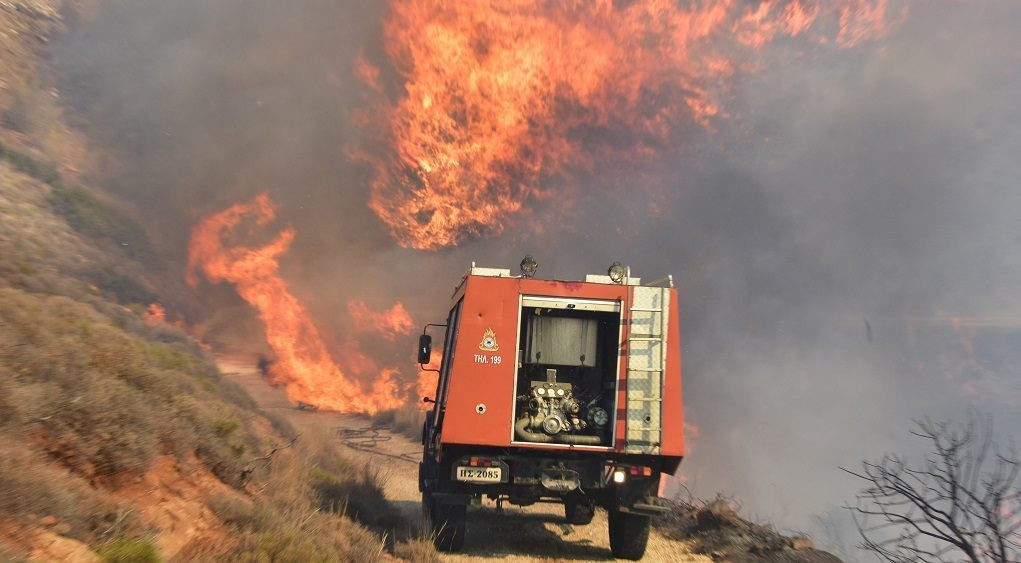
(119, 438)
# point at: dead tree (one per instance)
(962, 503)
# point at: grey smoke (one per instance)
(877, 183)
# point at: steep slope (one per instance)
(119, 438)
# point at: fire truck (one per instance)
(564, 392)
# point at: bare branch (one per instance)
(962, 500)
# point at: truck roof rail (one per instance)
(473, 270)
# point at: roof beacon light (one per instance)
(617, 272)
(529, 266)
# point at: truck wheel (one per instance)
(448, 525)
(629, 534)
(579, 512)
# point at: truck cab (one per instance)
(554, 391)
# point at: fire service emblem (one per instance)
(488, 343)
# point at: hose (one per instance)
(522, 432)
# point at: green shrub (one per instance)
(123, 287)
(129, 551)
(91, 217)
(28, 165)
(224, 428)
(168, 358)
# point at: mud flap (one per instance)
(559, 480)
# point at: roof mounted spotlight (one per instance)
(617, 273)
(529, 266)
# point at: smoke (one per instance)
(845, 238)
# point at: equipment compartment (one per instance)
(567, 372)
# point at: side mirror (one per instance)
(425, 349)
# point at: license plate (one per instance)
(480, 474)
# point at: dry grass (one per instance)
(31, 114)
(303, 512)
(714, 528)
(90, 394)
(357, 492)
(420, 550)
(406, 420)
(41, 252)
(103, 401)
(30, 487)
(100, 403)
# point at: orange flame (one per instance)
(389, 324)
(155, 314)
(303, 365)
(500, 99)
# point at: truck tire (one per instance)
(427, 427)
(448, 525)
(579, 513)
(629, 534)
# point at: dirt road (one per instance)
(535, 533)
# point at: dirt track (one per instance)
(535, 533)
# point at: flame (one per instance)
(389, 324)
(302, 365)
(155, 314)
(502, 100)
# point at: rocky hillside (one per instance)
(119, 438)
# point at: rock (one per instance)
(48, 521)
(800, 543)
(717, 514)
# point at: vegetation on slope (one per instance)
(715, 529)
(103, 410)
(91, 395)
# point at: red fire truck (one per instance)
(554, 391)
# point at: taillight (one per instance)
(480, 462)
(638, 471)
